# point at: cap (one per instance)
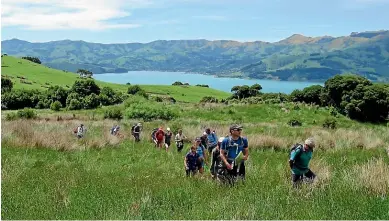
(221, 139)
(205, 133)
(236, 126)
(168, 129)
(198, 139)
(139, 124)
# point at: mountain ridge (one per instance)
(297, 57)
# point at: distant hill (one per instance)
(295, 58)
(28, 75)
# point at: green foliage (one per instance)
(209, 99)
(84, 73)
(113, 113)
(311, 94)
(91, 101)
(27, 113)
(56, 106)
(57, 93)
(74, 104)
(202, 85)
(241, 92)
(177, 83)
(330, 123)
(11, 116)
(149, 110)
(294, 122)
(85, 87)
(6, 85)
(134, 89)
(33, 59)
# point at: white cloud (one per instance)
(68, 14)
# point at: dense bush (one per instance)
(113, 113)
(202, 85)
(294, 122)
(27, 113)
(134, 89)
(6, 85)
(178, 83)
(149, 110)
(209, 99)
(85, 87)
(91, 101)
(311, 94)
(33, 59)
(330, 123)
(74, 104)
(56, 106)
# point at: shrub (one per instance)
(294, 122)
(74, 104)
(113, 113)
(330, 123)
(11, 116)
(6, 85)
(134, 89)
(178, 83)
(209, 99)
(56, 106)
(150, 111)
(27, 113)
(91, 101)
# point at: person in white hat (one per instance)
(168, 138)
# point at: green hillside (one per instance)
(38, 76)
(295, 58)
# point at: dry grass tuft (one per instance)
(59, 134)
(373, 175)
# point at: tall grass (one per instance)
(104, 177)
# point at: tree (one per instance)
(178, 83)
(85, 87)
(255, 90)
(58, 93)
(6, 85)
(134, 89)
(33, 59)
(84, 73)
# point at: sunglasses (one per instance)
(237, 129)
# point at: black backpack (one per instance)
(295, 147)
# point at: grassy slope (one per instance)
(136, 181)
(39, 75)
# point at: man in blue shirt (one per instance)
(201, 152)
(212, 140)
(231, 147)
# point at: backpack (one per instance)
(133, 128)
(294, 148)
(229, 142)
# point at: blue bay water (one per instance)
(223, 84)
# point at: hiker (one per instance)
(204, 140)
(168, 138)
(80, 131)
(115, 130)
(215, 158)
(233, 148)
(135, 131)
(201, 152)
(212, 140)
(179, 140)
(191, 161)
(159, 135)
(153, 138)
(299, 159)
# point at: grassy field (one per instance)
(48, 174)
(40, 77)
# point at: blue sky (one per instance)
(123, 21)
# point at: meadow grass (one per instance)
(48, 174)
(40, 77)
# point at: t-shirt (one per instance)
(200, 151)
(192, 160)
(301, 160)
(212, 139)
(159, 135)
(234, 147)
(179, 137)
(168, 137)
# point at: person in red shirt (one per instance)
(160, 135)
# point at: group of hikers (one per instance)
(225, 156)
